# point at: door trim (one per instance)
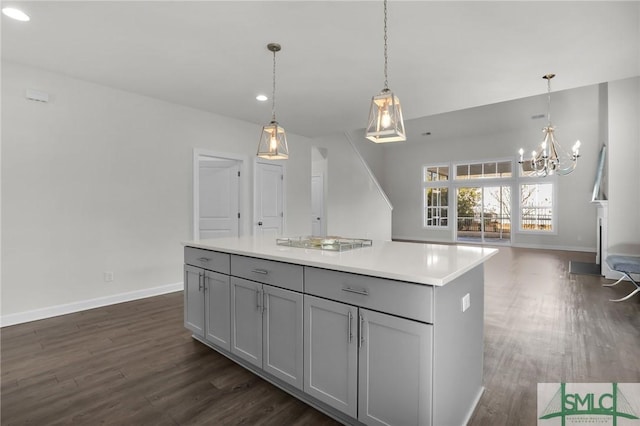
(241, 159)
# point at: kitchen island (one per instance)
(388, 334)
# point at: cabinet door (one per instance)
(282, 335)
(217, 309)
(194, 300)
(331, 353)
(246, 320)
(395, 370)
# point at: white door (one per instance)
(269, 202)
(317, 205)
(217, 195)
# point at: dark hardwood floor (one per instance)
(135, 364)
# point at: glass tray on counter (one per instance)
(324, 243)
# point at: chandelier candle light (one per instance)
(273, 140)
(551, 159)
(385, 115)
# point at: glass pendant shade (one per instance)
(273, 142)
(385, 119)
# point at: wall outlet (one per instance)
(108, 277)
(466, 302)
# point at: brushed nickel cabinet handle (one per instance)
(260, 271)
(200, 281)
(356, 291)
(350, 333)
(360, 328)
(204, 259)
(258, 307)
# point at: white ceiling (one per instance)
(443, 56)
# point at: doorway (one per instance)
(484, 214)
(319, 172)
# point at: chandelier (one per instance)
(385, 114)
(551, 158)
(273, 140)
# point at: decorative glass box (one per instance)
(324, 243)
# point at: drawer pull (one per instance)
(356, 291)
(204, 259)
(260, 271)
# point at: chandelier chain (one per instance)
(273, 95)
(549, 101)
(386, 57)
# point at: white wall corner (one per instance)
(369, 172)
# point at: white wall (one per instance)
(355, 206)
(101, 180)
(497, 132)
(623, 162)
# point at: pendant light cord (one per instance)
(386, 83)
(273, 95)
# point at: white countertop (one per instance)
(433, 264)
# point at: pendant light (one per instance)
(385, 115)
(273, 140)
(551, 159)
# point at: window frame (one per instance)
(548, 180)
(434, 184)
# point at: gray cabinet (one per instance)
(331, 353)
(266, 328)
(371, 366)
(364, 349)
(216, 307)
(206, 301)
(246, 320)
(206, 295)
(194, 300)
(395, 370)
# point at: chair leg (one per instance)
(628, 296)
(621, 279)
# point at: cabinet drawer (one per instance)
(279, 274)
(394, 297)
(207, 259)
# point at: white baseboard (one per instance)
(83, 305)
(517, 245)
(563, 248)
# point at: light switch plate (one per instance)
(466, 302)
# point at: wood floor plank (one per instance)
(135, 364)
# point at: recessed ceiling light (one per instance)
(16, 14)
(261, 98)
